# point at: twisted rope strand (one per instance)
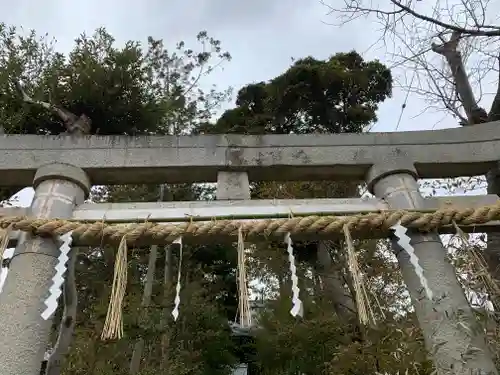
(164, 233)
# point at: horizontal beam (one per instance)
(248, 209)
(257, 209)
(465, 151)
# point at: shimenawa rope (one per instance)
(104, 232)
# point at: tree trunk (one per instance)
(135, 361)
(476, 115)
(449, 50)
(167, 279)
(333, 283)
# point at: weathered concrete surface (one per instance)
(13, 211)
(24, 333)
(450, 329)
(170, 159)
(232, 185)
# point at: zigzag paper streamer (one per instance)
(177, 300)
(404, 242)
(7, 256)
(58, 280)
(297, 308)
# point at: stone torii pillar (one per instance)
(24, 334)
(448, 323)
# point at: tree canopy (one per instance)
(132, 89)
(340, 94)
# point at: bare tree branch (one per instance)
(464, 38)
(448, 26)
(449, 49)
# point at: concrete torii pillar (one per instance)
(448, 323)
(24, 334)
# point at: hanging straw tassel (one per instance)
(480, 266)
(4, 239)
(243, 303)
(365, 312)
(113, 326)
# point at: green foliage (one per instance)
(321, 344)
(147, 193)
(200, 341)
(124, 90)
(214, 266)
(338, 95)
(130, 89)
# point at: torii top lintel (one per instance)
(465, 151)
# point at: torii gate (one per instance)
(63, 168)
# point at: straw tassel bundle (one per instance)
(4, 239)
(480, 267)
(113, 326)
(365, 312)
(243, 305)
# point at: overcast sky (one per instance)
(261, 35)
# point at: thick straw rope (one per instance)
(101, 231)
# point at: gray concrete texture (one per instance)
(443, 317)
(24, 333)
(454, 152)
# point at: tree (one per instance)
(128, 90)
(336, 95)
(319, 345)
(448, 54)
(340, 94)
